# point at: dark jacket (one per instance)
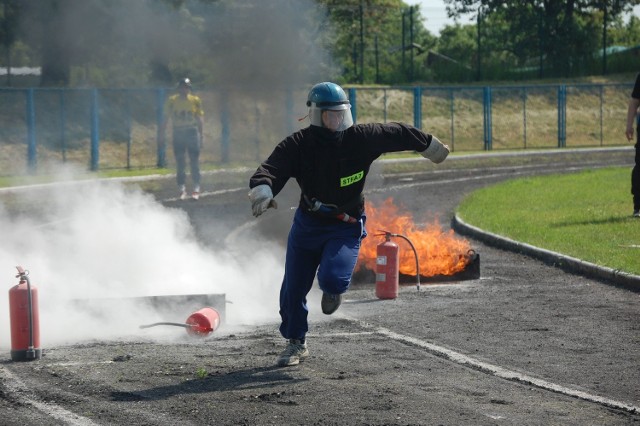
(332, 167)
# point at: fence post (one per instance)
(63, 124)
(562, 116)
(224, 122)
(354, 104)
(488, 135)
(288, 107)
(160, 138)
(31, 133)
(452, 110)
(258, 117)
(524, 116)
(386, 112)
(417, 107)
(601, 114)
(95, 130)
(129, 125)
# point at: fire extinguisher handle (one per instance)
(21, 272)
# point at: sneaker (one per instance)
(295, 352)
(636, 213)
(195, 195)
(330, 303)
(183, 192)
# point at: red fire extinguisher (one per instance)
(387, 265)
(25, 320)
(203, 322)
(200, 323)
(388, 269)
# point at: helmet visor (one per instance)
(335, 117)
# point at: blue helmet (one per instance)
(329, 96)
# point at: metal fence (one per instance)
(118, 128)
(506, 117)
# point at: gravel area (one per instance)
(527, 343)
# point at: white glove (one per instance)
(437, 151)
(261, 198)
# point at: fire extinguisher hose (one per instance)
(195, 327)
(31, 353)
(177, 324)
(415, 253)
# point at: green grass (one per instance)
(586, 215)
(6, 181)
(25, 179)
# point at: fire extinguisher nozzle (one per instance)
(177, 324)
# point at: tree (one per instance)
(458, 43)
(562, 34)
(625, 34)
(357, 24)
(10, 12)
(120, 43)
(117, 40)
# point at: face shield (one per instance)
(333, 117)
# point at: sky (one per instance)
(436, 14)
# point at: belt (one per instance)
(319, 208)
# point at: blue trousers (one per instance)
(327, 247)
(186, 141)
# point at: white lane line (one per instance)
(510, 174)
(24, 395)
(495, 370)
(207, 194)
(344, 334)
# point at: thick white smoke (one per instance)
(101, 240)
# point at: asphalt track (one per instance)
(527, 343)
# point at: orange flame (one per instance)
(439, 252)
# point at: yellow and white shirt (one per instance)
(183, 112)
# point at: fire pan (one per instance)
(172, 307)
(470, 272)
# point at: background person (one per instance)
(330, 160)
(634, 103)
(184, 110)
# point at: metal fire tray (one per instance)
(166, 306)
(470, 272)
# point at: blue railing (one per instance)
(118, 128)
